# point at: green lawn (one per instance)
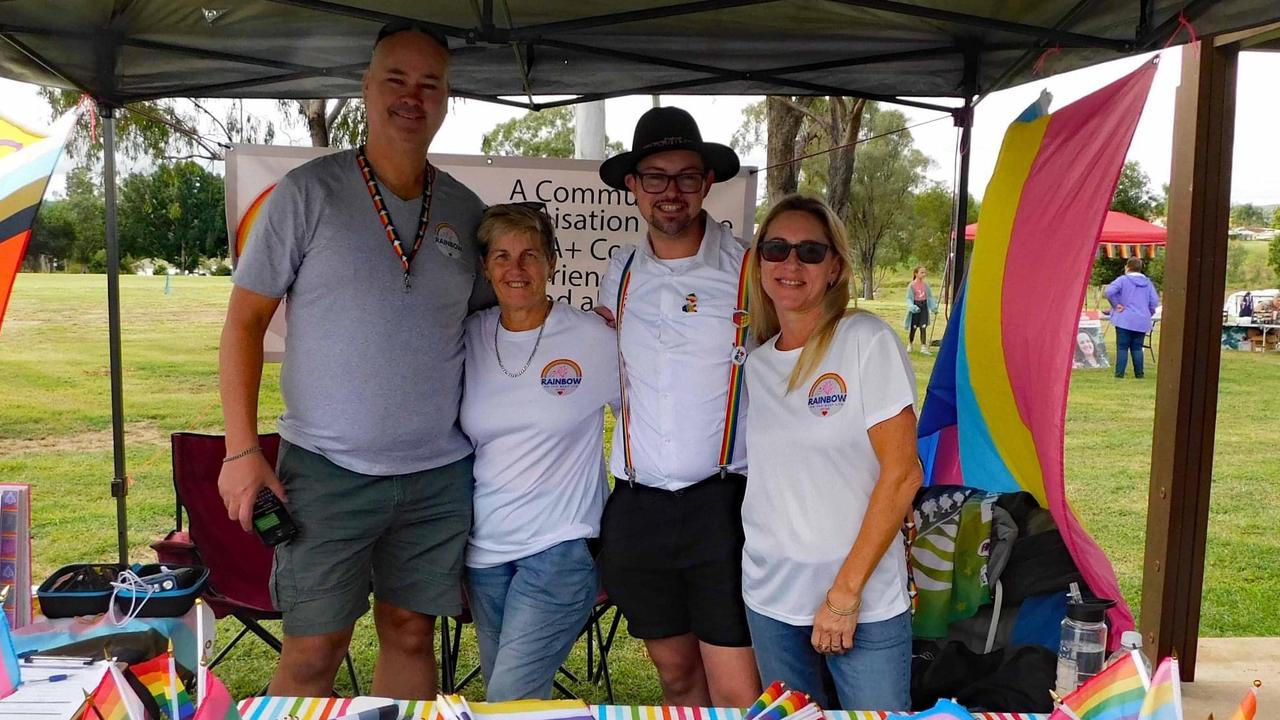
(55, 434)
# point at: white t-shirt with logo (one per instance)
(539, 464)
(813, 470)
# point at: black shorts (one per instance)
(672, 561)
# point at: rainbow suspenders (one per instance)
(741, 319)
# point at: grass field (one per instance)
(55, 434)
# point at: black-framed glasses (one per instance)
(653, 182)
(809, 252)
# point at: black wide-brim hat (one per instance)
(668, 128)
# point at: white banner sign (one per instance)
(591, 219)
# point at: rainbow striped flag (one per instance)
(1116, 693)
(1164, 697)
(113, 700)
(10, 675)
(160, 677)
(216, 703)
(994, 414)
(27, 159)
(1249, 705)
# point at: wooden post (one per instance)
(1190, 352)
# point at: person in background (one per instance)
(1133, 301)
(375, 249)
(920, 305)
(538, 375)
(831, 442)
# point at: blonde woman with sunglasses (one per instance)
(831, 446)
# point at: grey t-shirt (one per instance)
(372, 376)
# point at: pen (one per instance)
(52, 678)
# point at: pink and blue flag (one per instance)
(1164, 697)
(995, 411)
(10, 675)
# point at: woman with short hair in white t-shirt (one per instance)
(538, 375)
(832, 451)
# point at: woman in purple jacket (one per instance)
(1133, 301)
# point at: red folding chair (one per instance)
(239, 563)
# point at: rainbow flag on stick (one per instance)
(994, 415)
(27, 159)
(1116, 693)
(1164, 698)
(113, 700)
(1249, 705)
(159, 676)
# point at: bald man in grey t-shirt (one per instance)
(373, 465)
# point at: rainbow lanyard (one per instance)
(741, 319)
(375, 193)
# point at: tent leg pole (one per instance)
(963, 119)
(119, 484)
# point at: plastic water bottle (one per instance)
(1083, 647)
(1130, 640)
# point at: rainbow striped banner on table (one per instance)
(995, 411)
(269, 708)
(27, 159)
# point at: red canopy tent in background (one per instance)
(1122, 236)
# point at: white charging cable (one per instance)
(130, 581)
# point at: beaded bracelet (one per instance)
(243, 453)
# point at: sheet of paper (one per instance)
(59, 700)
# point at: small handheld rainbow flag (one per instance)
(790, 702)
(113, 699)
(1116, 693)
(159, 676)
(1164, 698)
(1249, 705)
(767, 698)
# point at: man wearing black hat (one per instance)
(671, 555)
(375, 249)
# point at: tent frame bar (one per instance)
(119, 481)
(530, 37)
(1048, 34)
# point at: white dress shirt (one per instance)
(677, 351)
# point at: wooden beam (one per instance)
(1190, 352)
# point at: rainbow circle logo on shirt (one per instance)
(561, 377)
(827, 395)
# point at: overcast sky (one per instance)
(1255, 169)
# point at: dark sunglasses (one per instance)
(809, 252)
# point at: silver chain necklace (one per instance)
(498, 352)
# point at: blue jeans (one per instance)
(528, 613)
(874, 675)
(1128, 342)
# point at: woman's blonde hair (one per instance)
(835, 304)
